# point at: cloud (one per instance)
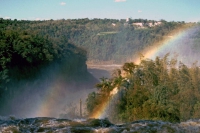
(139, 11)
(7, 17)
(62, 3)
(38, 19)
(120, 0)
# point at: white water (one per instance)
(12, 124)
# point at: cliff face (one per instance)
(54, 87)
(36, 68)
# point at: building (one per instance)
(138, 24)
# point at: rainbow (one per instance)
(100, 110)
(47, 106)
(150, 52)
(159, 47)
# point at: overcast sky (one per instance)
(170, 10)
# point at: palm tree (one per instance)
(104, 86)
(129, 67)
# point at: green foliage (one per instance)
(26, 56)
(151, 90)
(91, 101)
(103, 40)
(27, 53)
(157, 90)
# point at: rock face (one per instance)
(56, 87)
(53, 84)
(45, 124)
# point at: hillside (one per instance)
(46, 60)
(33, 66)
(114, 41)
(160, 89)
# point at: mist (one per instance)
(58, 87)
(185, 48)
(53, 89)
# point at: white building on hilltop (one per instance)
(127, 19)
(141, 25)
(138, 24)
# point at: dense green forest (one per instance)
(35, 53)
(111, 40)
(160, 89)
(30, 62)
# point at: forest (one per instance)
(160, 89)
(35, 53)
(110, 40)
(30, 62)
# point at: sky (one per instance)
(169, 10)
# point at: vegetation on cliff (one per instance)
(30, 63)
(159, 89)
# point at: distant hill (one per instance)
(116, 41)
